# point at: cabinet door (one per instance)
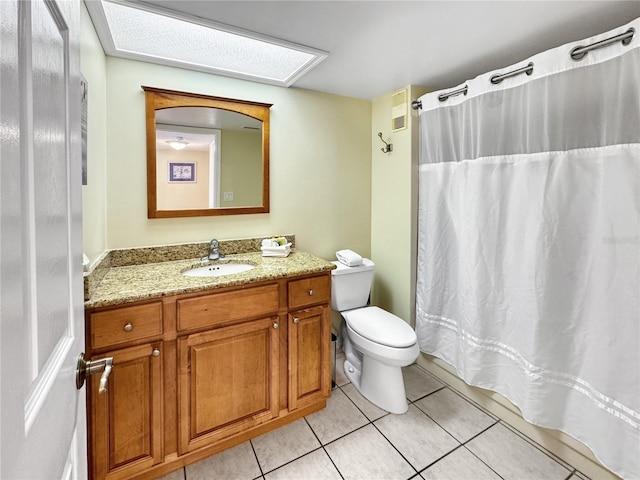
(228, 381)
(309, 356)
(126, 420)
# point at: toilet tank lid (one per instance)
(342, 269)
(380, 326)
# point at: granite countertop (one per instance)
(133, 283)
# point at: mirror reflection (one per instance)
(205, 155)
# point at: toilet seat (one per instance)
(380, 326)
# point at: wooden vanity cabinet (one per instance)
(127, 419)
(126, 423)
(228, 381)
(309, 356)
(221, 367)
(309, 340)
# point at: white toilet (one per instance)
(376, 343)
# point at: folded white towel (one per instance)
(276, 251)
(349, 258)
(276, 254)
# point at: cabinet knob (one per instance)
(128, 327)
(296, 319)
(275, 325)
(156, 352)
(311, 293)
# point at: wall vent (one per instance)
(399, 110)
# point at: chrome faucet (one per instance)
(214, 253)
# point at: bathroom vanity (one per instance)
(203, 364)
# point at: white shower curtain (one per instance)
(529, 244)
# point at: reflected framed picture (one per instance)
(182, 172)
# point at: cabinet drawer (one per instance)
(122, 325)
(209, 310)
(309, 291)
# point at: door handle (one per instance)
(91, 367)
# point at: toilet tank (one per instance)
(350, 286)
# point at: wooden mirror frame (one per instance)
(157, 98)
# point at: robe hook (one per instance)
(388, 147)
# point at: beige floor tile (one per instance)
(538, 446)
(237, 463)
(459, 465)
(512, 457)
(371, 411)
(337, 419)
(455, 414)
(578, 476)
(418, 383)
(316, 465)
(284, 444)
(418, 438)
(366, 454)
(177, 475)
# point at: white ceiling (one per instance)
(376, 47)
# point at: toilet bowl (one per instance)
(376, 343)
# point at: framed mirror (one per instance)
(205, 155)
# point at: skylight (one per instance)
(158, 35)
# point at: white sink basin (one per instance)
(218, 270)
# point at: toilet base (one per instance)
(377, 374)
(382, 385)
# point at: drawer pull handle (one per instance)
(275, 325)
(296, 319)
(128, 327)
(156, 352)
(311, 293)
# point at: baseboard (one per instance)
(560, 444)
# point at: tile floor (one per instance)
(442, 436)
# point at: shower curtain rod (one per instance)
(578, 53)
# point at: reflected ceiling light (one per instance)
(158, 35)
(178, 144)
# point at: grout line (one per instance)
(332, 462)
(399, 452)
(257, 459)
(473, 453)
(294, 460)
(570, 475)
(428, 394)
(485, 463)
(438, 459)
(324, 449)
(534, 444)
(359, 409)
(440, 426)
(349, 433)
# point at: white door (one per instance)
(43, 432)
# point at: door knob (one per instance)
(91, 367)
